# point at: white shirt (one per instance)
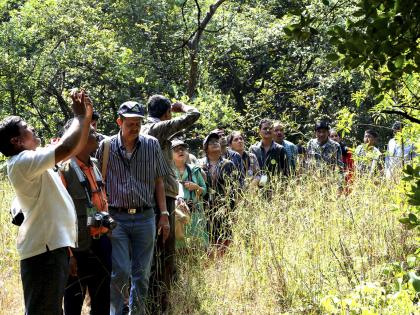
(50, 216)
(397, 151)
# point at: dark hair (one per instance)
(158, 105)
(95, 115)
(211, 136)
(373, 133)
(397, 125)
(232, 135)
(265, 121)
(9, 128)
(322, 124)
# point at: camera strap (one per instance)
(84, 181)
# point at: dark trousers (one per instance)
(163, 268)
(94, 275)
(44, 277)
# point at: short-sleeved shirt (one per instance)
(50, 217)
(130, 182)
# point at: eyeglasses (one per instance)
(213, 142)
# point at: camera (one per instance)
(102, 219)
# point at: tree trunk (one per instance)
(193, 46)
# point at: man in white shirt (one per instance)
(399, 152)
(49, 225)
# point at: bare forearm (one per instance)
(160, 194)
(74, 140)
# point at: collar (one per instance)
(271, 146)
(83, 165)
(153, 119)
(321, 145)
(121, 144)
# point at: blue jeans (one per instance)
(132, 252)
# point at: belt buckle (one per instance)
(132, 211)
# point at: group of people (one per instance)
(107, 225)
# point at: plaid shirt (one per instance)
(329, 153)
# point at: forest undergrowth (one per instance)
(311, 249)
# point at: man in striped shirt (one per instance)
(134, 176)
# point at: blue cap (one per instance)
(132, 109)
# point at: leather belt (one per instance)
(130, 210)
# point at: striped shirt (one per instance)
(130, 183)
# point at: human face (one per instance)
(92, 142)
(130, 127)
(238, 143)
(322, 135)
(223, 138)
(266, 131)
(369, 139)
(27, 139)
(214, 147)
(180, 154)
(335, 137)
(278, 134)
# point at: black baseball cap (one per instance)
(132, 109)
(322, 125)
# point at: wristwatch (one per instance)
(164, 213)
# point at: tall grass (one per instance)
(11, 301)
(308, 241)
(289, 252)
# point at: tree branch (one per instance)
(402, 114)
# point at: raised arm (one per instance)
(75, 137)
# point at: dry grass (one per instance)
(289, 252)
(11, 300)
(286, 254)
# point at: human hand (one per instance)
(164, 227)
(191, 186)
(73, 266)
(81, 103)
(177, 107)
(182, 205)
(88, 105)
